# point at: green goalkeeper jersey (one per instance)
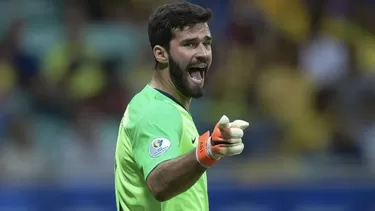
(154, 128)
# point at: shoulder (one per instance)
(161, 112)
(159, 120)
(148, 104)
(143, 112)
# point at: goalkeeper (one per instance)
(161, 160)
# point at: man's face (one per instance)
(190, 58)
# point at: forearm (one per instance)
(175, 176)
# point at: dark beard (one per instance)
(180, 80)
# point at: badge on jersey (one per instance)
(158, 147)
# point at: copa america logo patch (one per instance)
(158, 146)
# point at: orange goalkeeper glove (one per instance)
(226, 140)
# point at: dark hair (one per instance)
(174, 15)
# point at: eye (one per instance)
(190, 45)
(207, 44)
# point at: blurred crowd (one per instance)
(301, 71)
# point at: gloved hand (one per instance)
(226, 140)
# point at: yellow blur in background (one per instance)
(301, 71)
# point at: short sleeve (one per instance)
(157, 137)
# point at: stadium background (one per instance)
(302, 71)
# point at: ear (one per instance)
(160, 54)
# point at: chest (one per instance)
(188, 135)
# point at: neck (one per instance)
(165, 84)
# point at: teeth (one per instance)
(200, 66)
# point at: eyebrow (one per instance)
(206, 38)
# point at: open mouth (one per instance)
(197, 74)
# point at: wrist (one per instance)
(204, 154)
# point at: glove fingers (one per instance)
(235, 133)
(239, 124)
(228, 149)
(235, 149)
(226, 139)
(229, 133)
(223, 122)
(234, 141)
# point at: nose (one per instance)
(203, 53)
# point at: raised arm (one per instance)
(175, 175)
